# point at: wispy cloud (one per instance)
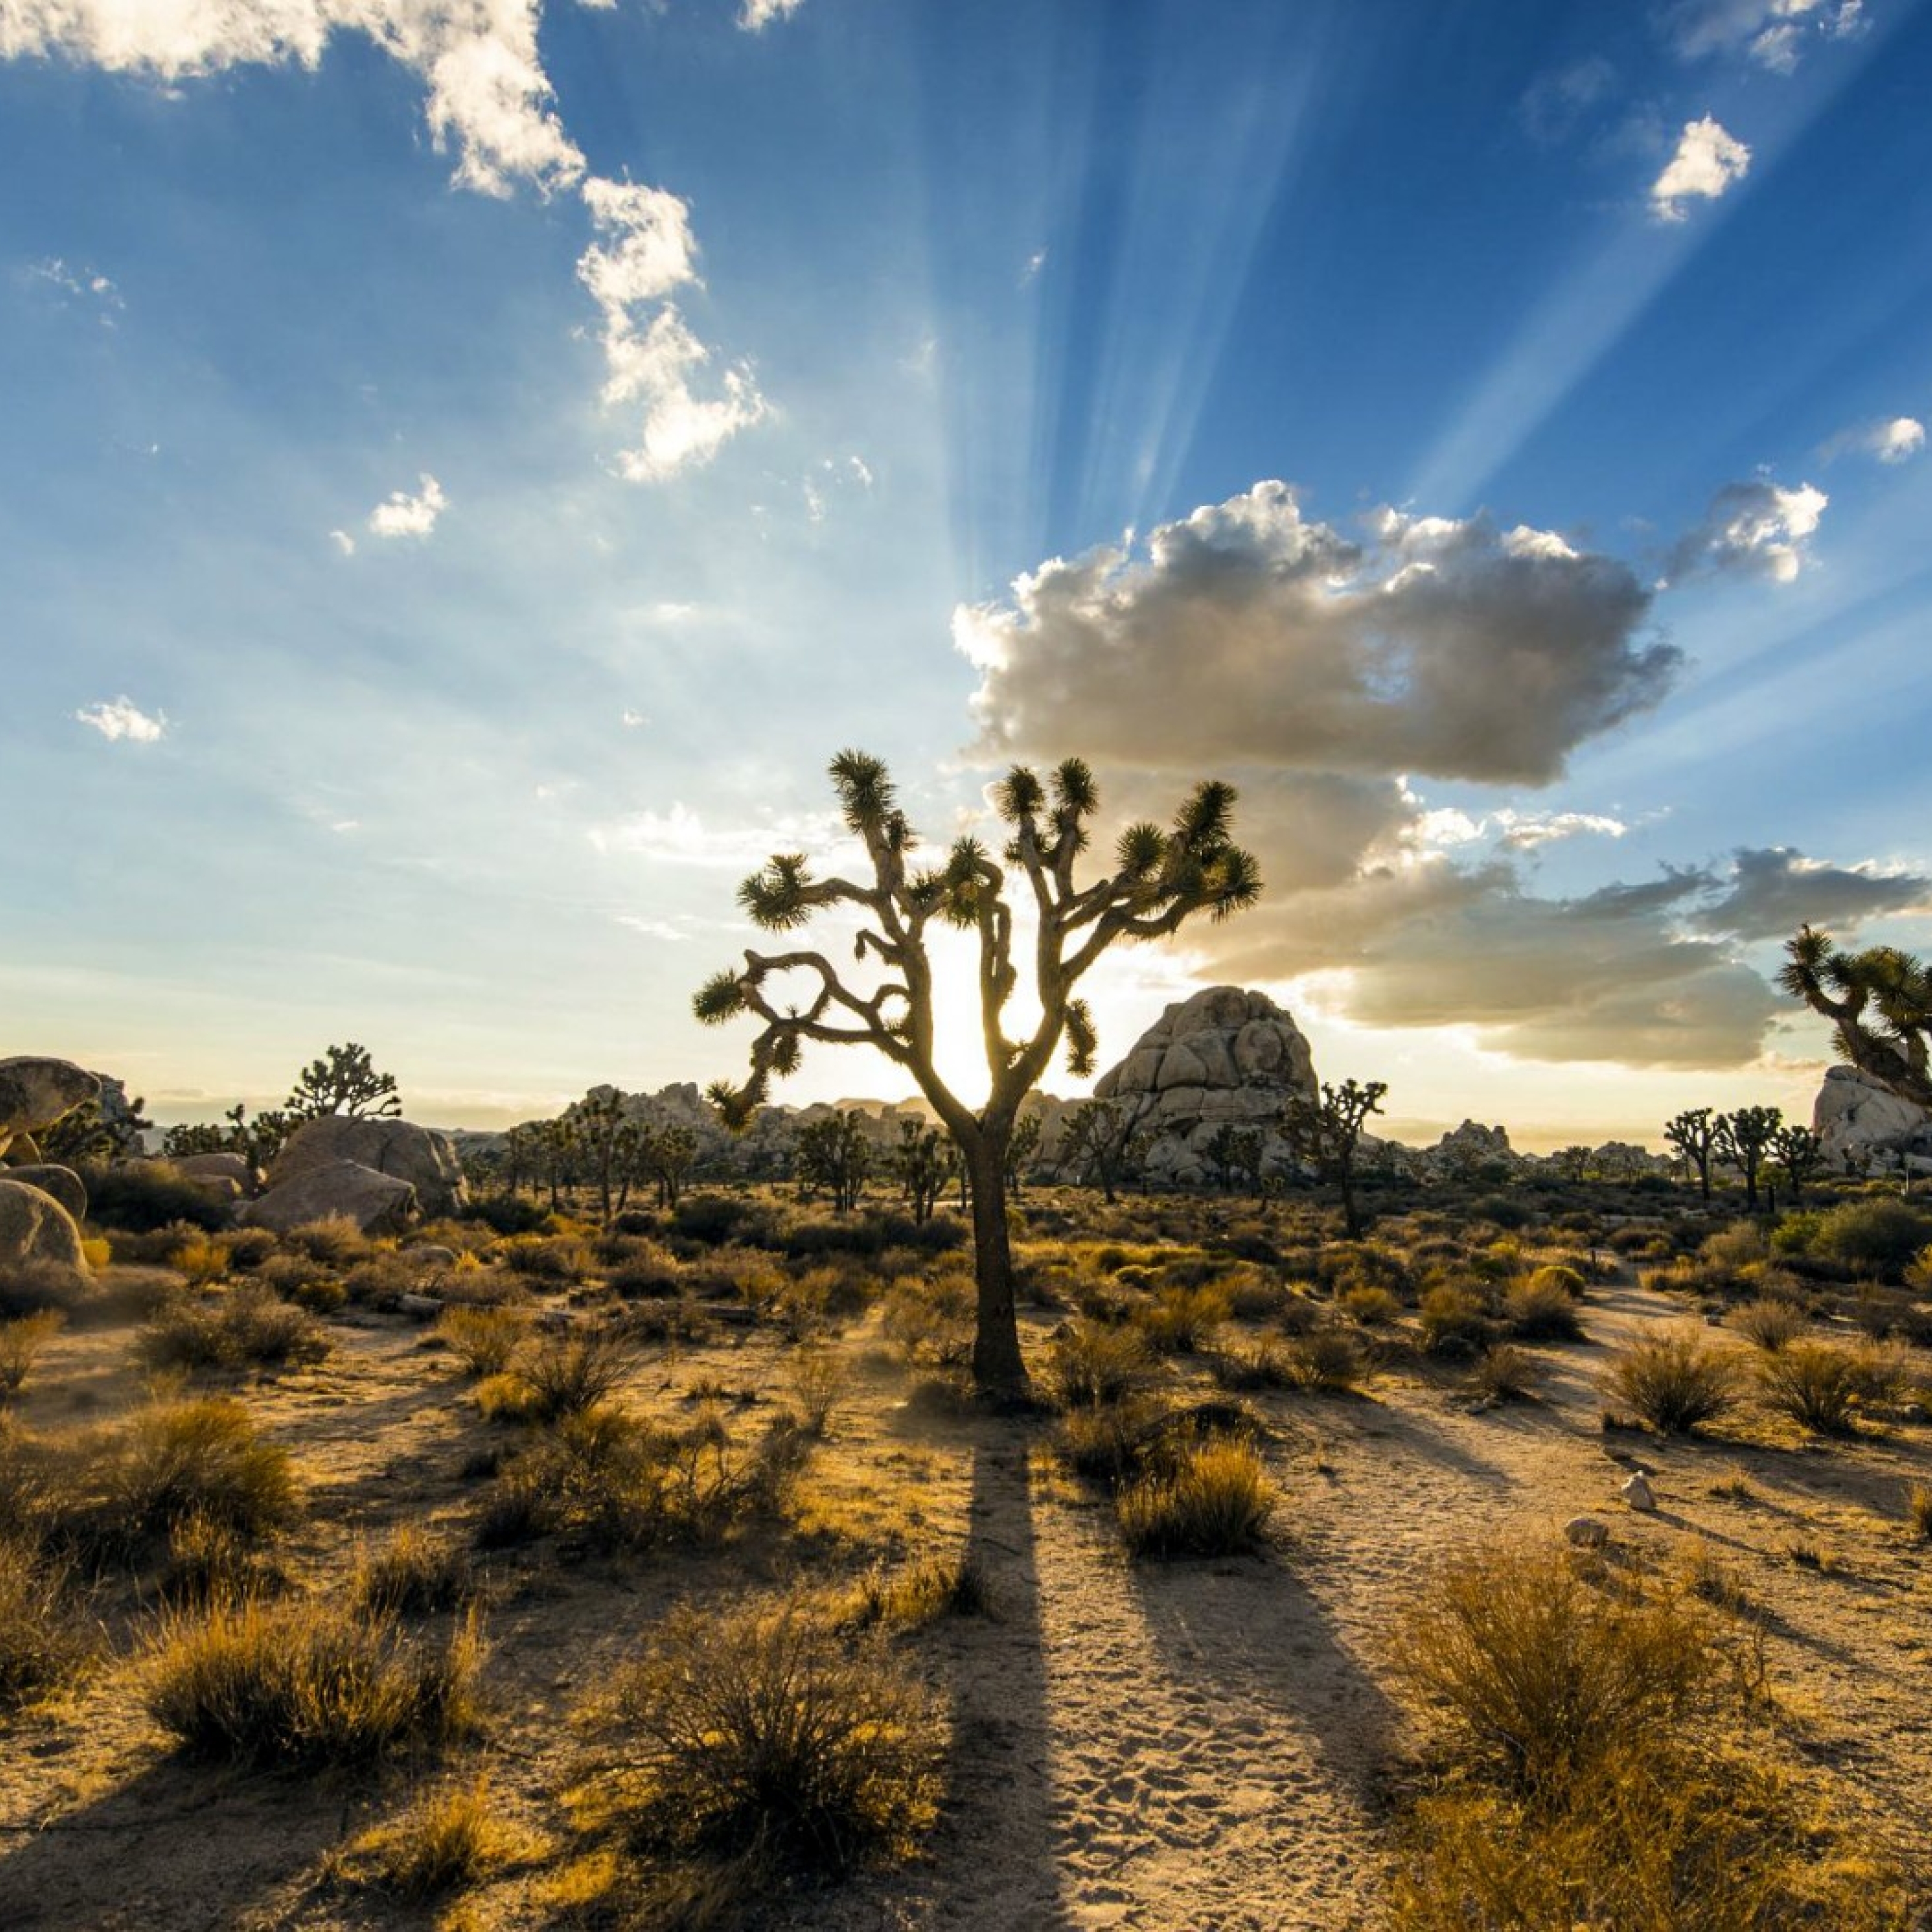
(1771, 33)
(755, 16)
(343, 542)
(1754, 530)
(1892, 440)
(83, 285)
(680, 837)
(399, 514)
(121, 718)
(1707, 162)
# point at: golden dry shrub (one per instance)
(484, 1338)
(451, 1836)
(21, 1341)
(306, 1682)
(1090, 1363)
(1215, 1500)
(1676, 1382)
(43, 1636)
(766, 1730)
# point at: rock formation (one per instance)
(379, 1204)
(34, 1227)
(425, 1160)
(34, 1094)
(1863, 1125)
(1223, 1058)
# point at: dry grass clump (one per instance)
(1181, 1319)
(21, 1340)
(765, 1735)
(929, 1321)
(1372, 1307)
(816, 1380)
(1823, 1386)
(1769, 1323)
(448, 1838)
(1602, 1761)
(1503, 1373)
(559, 1374)
(1676, 1382)
(43, 1639)
(1325, 1361)
(629, 1484)
(923, 1592)
(1918, 1511)
(1455, 1322)
(1544, 1307)
(306, 1682)
(415, 1572)
(1090, 1363)
(250, 1326)
(333, 1239)
(484, 1339)
(1213, 1499)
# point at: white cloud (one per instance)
(653, 929)
(1892, 440)
(1770, 32)
(755, 16)
(402, 515)
(645, 254)
(121, 718)
(1247, 634)
(1708, 161)
(486, 94)
(680, 837)
(343, 542)
(633, 721)
(1035, 263)
(1756, 529)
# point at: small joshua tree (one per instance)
(835, 1154)
(1742, 1140)
(1799, 1153)
(1880, 1003)
(922, 1163)
(667, 1155)
(1694, 1135)
(1159, 879)
(343, 1081)
(1099, 1147)
(1021, 1149)
(1326, 1132)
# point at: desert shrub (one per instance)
(1540, 1309)
(250, 1326)
(1767, 1323)
(1883, 1372)
(644, 1270)
(1265, 1366)
(484, 1339)
(1214, 1501)
(923, 1592)
(21, 1340)
(1180, 1319)
(1877, 1238)
(1795, 1233)
(1089, 1363)
(38, 1288)
(1502, 1211)
(564, 1374)
(816, 1380)
(1327, 1360)
(1504, 1372)
(507, 1213)
(1918, 1511)
(450, 1837)
(143, 1197)
(333, 1238)
(1878, 1312)
(415, 1572)
(715, 1219)
(1541, 1673)
(298, 1275)
(563, 1260)
(1372, 1307)
(1455, 1322)
(1814, 1383)
(1675, 1381)
(248, 1248)
(1634, 1240)
(629, 1484)
(380, 1280)
(210, 1561)
(202, 1260)
(42, 1638)
(931, 1321)
(306, 1682)
(764, 1732)
(1253, 1296)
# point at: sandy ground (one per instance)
(1190, 1745)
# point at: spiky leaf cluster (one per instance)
(1880, 1003)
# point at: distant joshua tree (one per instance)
(1742, 1140)
(1880, 1003)
(1799, 1152)
(922, 1163)
(1160, 879)
(1327, 1131)
(1099, 1146)
(835, 1154)
(1694, 1135)
(343, 1081)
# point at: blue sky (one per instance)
(466, 468)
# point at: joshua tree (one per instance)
(834, 1153)
(1159, 879)
(1743, 1139)
(1880, 1003)
(922, 1162)
(1021, 1150)
(667, 1155)
(1694, 1135)
(1800, 1153)
(344, 1081)
(607, 1139)
(1572, 1162)
(1098, 1145)
(1326, 1132)
(1237, 1153)
(557, 1152)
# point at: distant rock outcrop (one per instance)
(1224, 1058)
(35, 1093)
(1470, 1152)
(1863, 1125)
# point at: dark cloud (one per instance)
(1774, 890)
(1247, 636)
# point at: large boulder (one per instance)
(34, 1227)
(1862, 1125)
(222, 1168)
(1224, 1058)
(378, 1203)
(35, 1093)
(425, 1160)
(62, 1183)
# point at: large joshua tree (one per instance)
(1879, 1003)
(1160, 878)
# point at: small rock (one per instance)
(421, 1306)
(1586, 1532)
(1638, 1494)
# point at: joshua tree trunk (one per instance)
(998, 1365)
